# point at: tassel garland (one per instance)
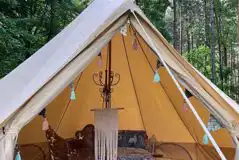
(18, 156)
(212, 126)
(123, 30)
(156, 77)
(188, 95)
(73, 94)
(45, 124)
(135, 43)
(100, 61)
(185, 107)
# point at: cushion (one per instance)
(132, 139)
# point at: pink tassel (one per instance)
(45, 125)
(100, 62)
(135, 44)
(185, 107)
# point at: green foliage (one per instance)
(25, 26)
(200, 58)
(155, 11)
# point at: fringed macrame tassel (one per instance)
(205, 139)
(18, 156)
(237, 153)
(73, 94)
(45, 124)
(156, 77)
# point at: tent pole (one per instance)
(237, 147)
(182, 92)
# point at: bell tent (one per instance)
(159, 91)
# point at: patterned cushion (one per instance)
(132, 139)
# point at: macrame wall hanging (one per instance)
(212, 126)
(185, 105)
(106, 134)
(156, 72)
(106, 118)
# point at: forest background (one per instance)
(205, 32)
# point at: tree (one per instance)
(25, 26)
(213, 61)
(238, 21)
(155, 10)
(175, 30)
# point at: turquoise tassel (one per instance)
(73, 94)
(18, 156)
(205, 139)
(156, 77)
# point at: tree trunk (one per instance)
(238, 22)
(192, 42)
(181, 30)
(207, 43)
(188, 40)
(137, 2)
(52, 20)
(213, 60)
(175, 33)
(219, 29)
(225, 54)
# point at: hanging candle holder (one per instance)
(135, 43)
(73, 94)
(156, 73)
(100, 61)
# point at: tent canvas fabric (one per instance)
(43, 79)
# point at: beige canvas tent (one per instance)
(43, 81)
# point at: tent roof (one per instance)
(29, 77)
(25, 80)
